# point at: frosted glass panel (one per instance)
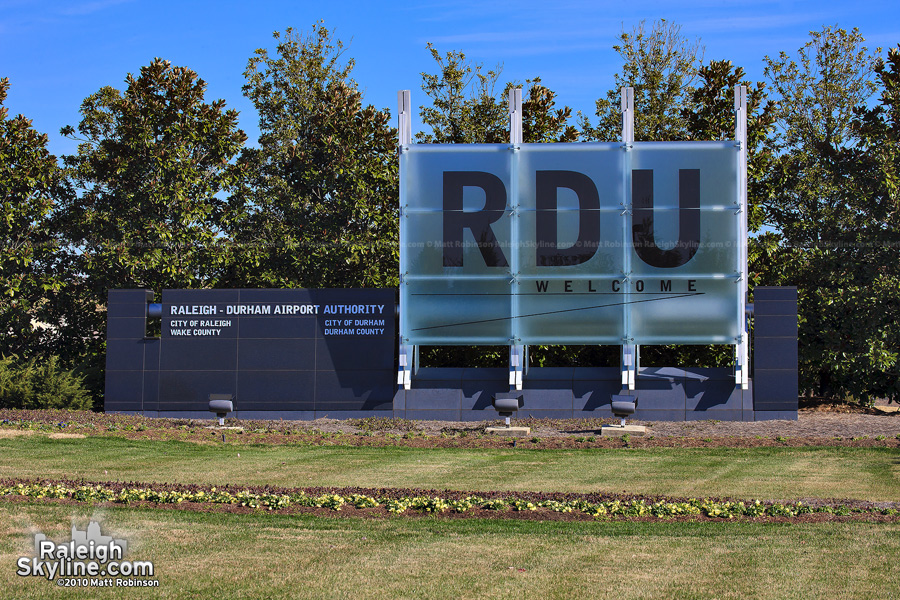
(424, 166)
(571, 243)
(424, 249)
(717, 252)
(701, 311)
(569, 311)
(717, 161)
(457, 311)
(537, 258)
(602, 164)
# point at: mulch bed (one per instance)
(818, 425)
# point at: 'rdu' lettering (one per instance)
(548, 251)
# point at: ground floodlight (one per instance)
(623, 406)
(221, 404)
(506, 404)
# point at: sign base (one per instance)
(508, 431)
(622, 430)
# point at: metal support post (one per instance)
(516, 366)
(405, 361)
(630, 352)
(406, 357)
(742, 347)
(404, 118)
(517, 352)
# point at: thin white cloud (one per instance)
(87, 8)
(755, 23)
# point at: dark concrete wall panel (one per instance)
(784, 415)
(151, 390)
(775, 294)
(776, 353)
(548, 399)
(276, 355)
(354, 354)
(713, 394)
(775, 387)
(709, 374)
(775, 375)
(434, 415)
(525, 413)
(125, 355)
(126, 311)
(151, 354)
(649, 374)
(564, 375)
(670, 397)
(714, 414)
(776, 326)
(596, 374)
(274, 327)
(291, 364)
(354, 390)
(190, 390)
(776, 309)
(433, 399)
(595, 395)
(124, 390)
(426, 374)
(199, 354)
(643, 414)
(261, 390)
(480, 393)
(492, 375)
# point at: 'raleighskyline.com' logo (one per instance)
(89, 559)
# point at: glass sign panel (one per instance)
(587, 243)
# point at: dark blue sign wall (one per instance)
(280, 353)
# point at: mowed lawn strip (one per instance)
(763, 473)
(206, 555)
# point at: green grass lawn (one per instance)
(225, 556)
(263, 555)
(764, 473)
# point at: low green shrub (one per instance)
(39, 384)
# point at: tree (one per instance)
(868, 363)
(30, 187)
(661, 65)
(151, 165)
(467, 106)
(825, 206)
(542, 122)
(319, 208)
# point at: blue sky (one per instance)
(57, 52)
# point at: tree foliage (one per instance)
(319, 206)
(470, 106)
(832, 210)
(30, 186)
(151, 165)
(662, 66)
